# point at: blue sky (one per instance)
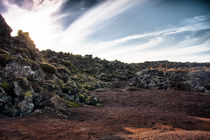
(126, 30)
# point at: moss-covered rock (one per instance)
(5, 59)
(71, 104)
(65, 62)
(70, 88)
(60, 83)
(48, 86)
(8, 87)
(48, 68)
(82, 98)
(89, 70)
(3, 51)
(57, 103)
(89, 87)
(23, 51)
(69, 65)
(28, 93)
(63, 69)
(36, 87)
(23, 81)
(89, 100)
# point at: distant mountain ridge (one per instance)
(37, 81)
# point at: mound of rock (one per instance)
(152, 79)
(198, 80)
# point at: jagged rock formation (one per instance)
(191, 80)
(35, 81)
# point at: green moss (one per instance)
(65, 62)
(7, 87)
(48, 68)
(3, 51)
(69, 65)
(89, 100)
(28, 93)
(50, 81)
(82, 98)
(89, 87)
(80, 78)
(89, 70)
(71, 104)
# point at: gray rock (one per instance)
(26, 106)
(16, 69)
(38, 111)
(152, 79)
(4, 98)
(37, 98)
(18, 90)
(179, 80)
(57, 103)
(5, 30)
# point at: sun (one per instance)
(40, 22)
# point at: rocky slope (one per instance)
(36, 81)
(30, 82)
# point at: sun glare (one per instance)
(40, 22)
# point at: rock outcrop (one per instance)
(30, 82)
(190, 80)
(5, 30)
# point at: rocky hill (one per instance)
(34, 81)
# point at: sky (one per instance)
(130, 31)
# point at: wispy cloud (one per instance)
(195, 19)
(94, 20)
(113, 52)
(165, 32)
(144, 52)
(171, 54)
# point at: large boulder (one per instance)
(55, 102)
(26, 106)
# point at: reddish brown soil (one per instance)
(141, 114)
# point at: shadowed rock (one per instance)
(5, 29)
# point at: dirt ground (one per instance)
(139, 114)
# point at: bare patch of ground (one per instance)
(138, 114)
